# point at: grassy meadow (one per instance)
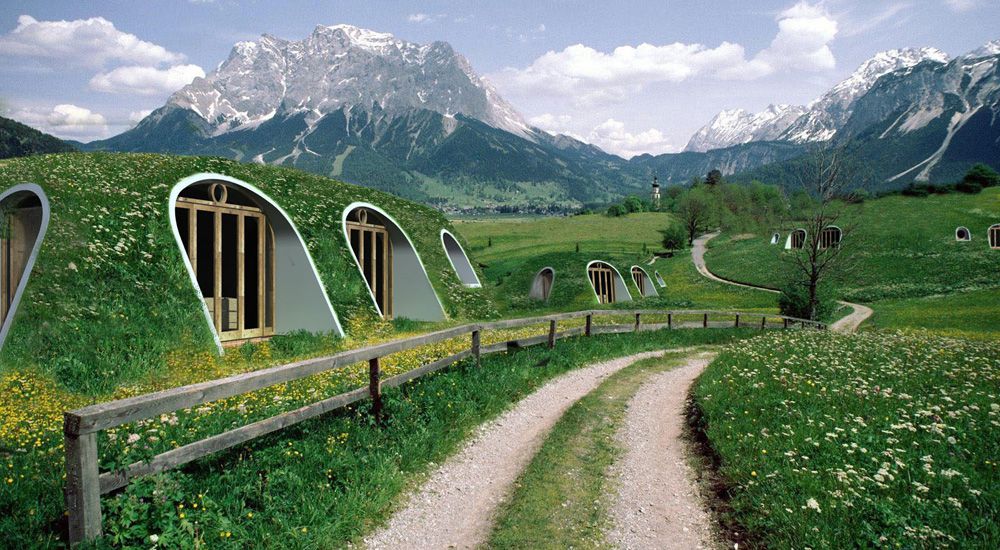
(903, 261)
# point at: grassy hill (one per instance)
(903, 260)
(19, 140)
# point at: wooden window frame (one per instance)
(640, 282)
(266, 265)
(363, 227)
(602, 278)
(993, 236)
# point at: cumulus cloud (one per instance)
(589, 77)
(136, 116)
(89, 42)
(65, 120)
(612, 136)
(145, 80)
(961, 5)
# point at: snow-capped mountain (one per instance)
(342, 66)
(735, 126)
(818, 121)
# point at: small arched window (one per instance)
(830, 237)
(994, 235)
(541, 286)
(963, 234)
(796, 240)
(775, 238)
(459, 260)
(643, 282)
(659, 280)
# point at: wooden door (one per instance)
(602, 278)
(231, 249)
(546, 284)
(372, 248)
(640, 281)
(20, 232)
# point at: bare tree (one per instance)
(829, 177)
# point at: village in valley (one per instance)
(419, 276)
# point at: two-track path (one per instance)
(849, 323)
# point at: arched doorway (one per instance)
(392, 269)
(541, 285)
(643, 282)
(830, 237)
(963, 234)
(247, 260)
(608, 285)
(459, 260)
(25, 210)
(796, 239)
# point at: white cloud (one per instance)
(589, 77)
(890, 15)
(65, 120)
(90, 42)
(424, 17)
(145, 80)
(556, 124)
(612, 136)
(961, 5)
(136, 116)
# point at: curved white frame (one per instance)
(476, 283)
(534, 281)
(968, 234)
(619, 280)
(788, 240)
(347, 239)
(659, 279)
(42, 228)
(257, 194)
(775, 238)
(993, 245)
(652, 285)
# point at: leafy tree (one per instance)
(697, 210)
(982, 174)
(675, 237)
(617, 210)
(713, 178)
(633, 204)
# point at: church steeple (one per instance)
(655, 198)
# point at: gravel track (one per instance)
(657, 503)
(455, 507)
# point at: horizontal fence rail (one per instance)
(85, 483)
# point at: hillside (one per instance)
(19, 140)
(903, 254)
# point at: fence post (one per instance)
(83, 488)
(763, 321)
(476, 346)
(637, 321)
(803, 324)
(670, 321)
(588, 330)
(375, 388)
(704, 323)
(786, 323)
(737, 320)
(552, 334)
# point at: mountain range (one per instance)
(19, 140)
(417, 120)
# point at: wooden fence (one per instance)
(85, 484)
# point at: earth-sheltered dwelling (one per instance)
(643, 282)
(607, 282)
(146, 254)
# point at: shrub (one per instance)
(794, 301)
(617, 210)
(674, 237)
(983, 175)
(969, 187)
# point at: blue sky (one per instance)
(631, 77)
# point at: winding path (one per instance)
(455, 507)
(848, 323)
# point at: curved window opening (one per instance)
(248, 262)
(608, 285)
(830, 237)
(24, 214)
(643, 282)
(775, 238)
(994, 235)
(459, 260)
(963, 234)
(541, 286)
(396, 278)
(659, 279)
(796, 240)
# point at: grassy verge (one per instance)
(972, 314)
(319, 484)
(560, 500)
(870, 440)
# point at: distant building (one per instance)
(655, 197)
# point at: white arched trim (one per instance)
(775, 238)
(459, 260)
(788, 241)
(536, 290)
(620, 284)
(659, 279)
(43, 226)
(347, 239)
(650, 286)
(958, 233)
(276, 210)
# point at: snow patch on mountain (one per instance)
(736, 126)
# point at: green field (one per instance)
(513, 250)
(901, 258)
(877, 439)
